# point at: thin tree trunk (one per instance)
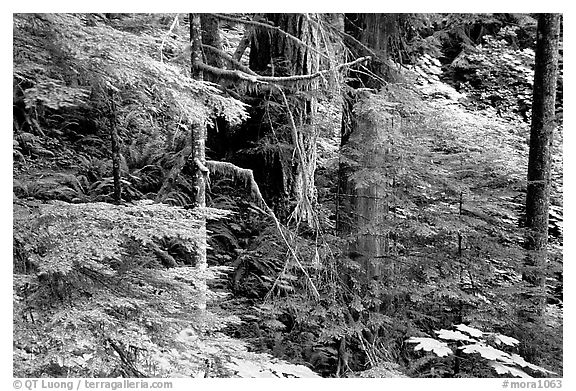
(541, 135)
(198, 157)
(116, 159)
(244, 44)
(196, 46)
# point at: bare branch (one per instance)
(230, 59)
(247, 176)
(167, 34)
(239, 75)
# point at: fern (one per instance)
(93, 296)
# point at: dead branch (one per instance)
(239, 75)
(228, 74)
(167, 34)
(247, 176)
(230, 59)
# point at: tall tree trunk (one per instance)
(365, 201)
(541, 135)
(116, 158)
(283, 56)
(198, 157)
(362, 207)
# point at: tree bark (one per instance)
(198, 158)
(196, 46)
(362, 208)
(211, 37)
(116, 158)
(293, 52)
(541, 136)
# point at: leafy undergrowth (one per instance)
(455, 181)
(455, 192)
(92, 297)
(104, 290)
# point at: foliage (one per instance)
(65, 89)
(473, 341)
(105, 290)
(453, 187)
(89, 285)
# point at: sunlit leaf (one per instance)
(502, 369)
(439, 348)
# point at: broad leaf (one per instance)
(439, 348)
(499, 338)
(502, 369)
(452, 335)
(488, 352)
(518, 360)
(469, 330)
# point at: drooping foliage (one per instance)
(66, 65)
(91, 297)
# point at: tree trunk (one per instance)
(541, 135)
(278, 55)
(198, 158)
(196, 45)
(364, 202)
(362, 208)
(211, 37)
(116, 158)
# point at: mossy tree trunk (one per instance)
(539, 160)
(115, 147)
(362, 207)
(211, 36)
(272, 53)
(198, 158)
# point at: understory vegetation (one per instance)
(393, 250)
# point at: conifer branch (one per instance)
(181, 160)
